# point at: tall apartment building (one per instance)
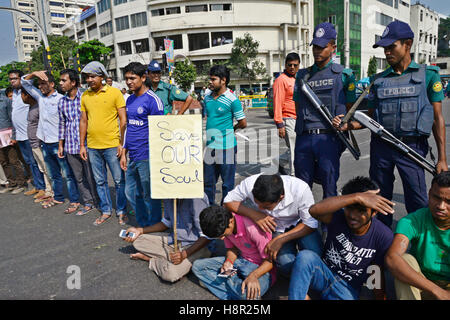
(51, 15)
(333, 11)
(424, 23)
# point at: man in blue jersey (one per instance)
(141, 104)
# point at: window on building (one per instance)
(122, 23)
(94, 26)
(198, 41)
(405, 4)
(381, 63)
(332, 19)
(103, 5)
(421, 15)
(157, 12)
(202, 66)
(220, 7)
(106, 29)
(177, 42)
(125, 48)
(197, 8)
(141, 45)
(57, 15)
(388, 2)
(138, 19)
(116, 2)
(56, 4)
(112, 54)
(173, 10)
(382, 19)
(221, 38)
(23, 4)
(27, 29)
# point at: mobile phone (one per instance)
(227, 273)
(123, 234)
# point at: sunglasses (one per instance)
(292, 64)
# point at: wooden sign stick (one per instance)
(175, 240)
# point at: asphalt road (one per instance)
(42, 248)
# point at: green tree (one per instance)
(92, 50)
(372, 69)
(243, 61)
(184, 74)
(4, 83)
(61, 48)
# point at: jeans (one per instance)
(99, 158)
(207, 270)
(288, 252)
(55, 165)
(310, 272)
(137, 191)
(27, 153)
(219, 162)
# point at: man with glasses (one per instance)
(284, 106)
(166, 92)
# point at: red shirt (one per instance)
(283, 103)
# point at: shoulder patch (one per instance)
(437, 86)
(348, 72)
(351, 86)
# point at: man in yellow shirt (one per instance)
(101, 105)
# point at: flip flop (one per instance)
(50, 203)
(122, 219)
(101, 220)
(84, 211)
(72, 208)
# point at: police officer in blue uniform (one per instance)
(317, 148)
(406, 99)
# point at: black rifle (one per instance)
(385, 135)
(326, 115)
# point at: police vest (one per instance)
(328, 86)
(403, 107)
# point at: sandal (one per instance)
(50, 203)
(122, 219)
(43, 198)
(86, 209)
(72, 208)
(101, 220)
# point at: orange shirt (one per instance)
(283, 104)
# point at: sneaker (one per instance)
(5, 190)
(18, 190)
(31, 192)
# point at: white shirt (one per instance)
(294, 207)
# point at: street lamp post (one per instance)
(47, 57)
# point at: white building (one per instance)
(204, 31)
(51, 15)
(424, 23)
(376, 15)
(82, 27)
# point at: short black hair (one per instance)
(8, 91)
(442, 179)
(137, 68)
(19, 72)
(214, 220)
(73, 76)
(268, 188)
(220, 71)
(293, 56)
(359, 184)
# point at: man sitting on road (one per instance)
(355, 241)
(156, 245)
(283, 203)
(424, 272)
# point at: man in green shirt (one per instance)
(425, 271)
(166, 92)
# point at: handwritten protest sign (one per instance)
(176, 156)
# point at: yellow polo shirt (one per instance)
(102, 112)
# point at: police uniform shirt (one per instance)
(348, 79)
(433, 83)
(169, 93)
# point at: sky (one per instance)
(8, 52)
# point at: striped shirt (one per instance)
(220, 113)
(69, 122)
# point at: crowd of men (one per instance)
(270, 224)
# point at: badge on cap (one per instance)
(320, 32)
(156, 65)
(386, 31)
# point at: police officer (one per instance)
(166, 92)
(406, 99)
(317, 148)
